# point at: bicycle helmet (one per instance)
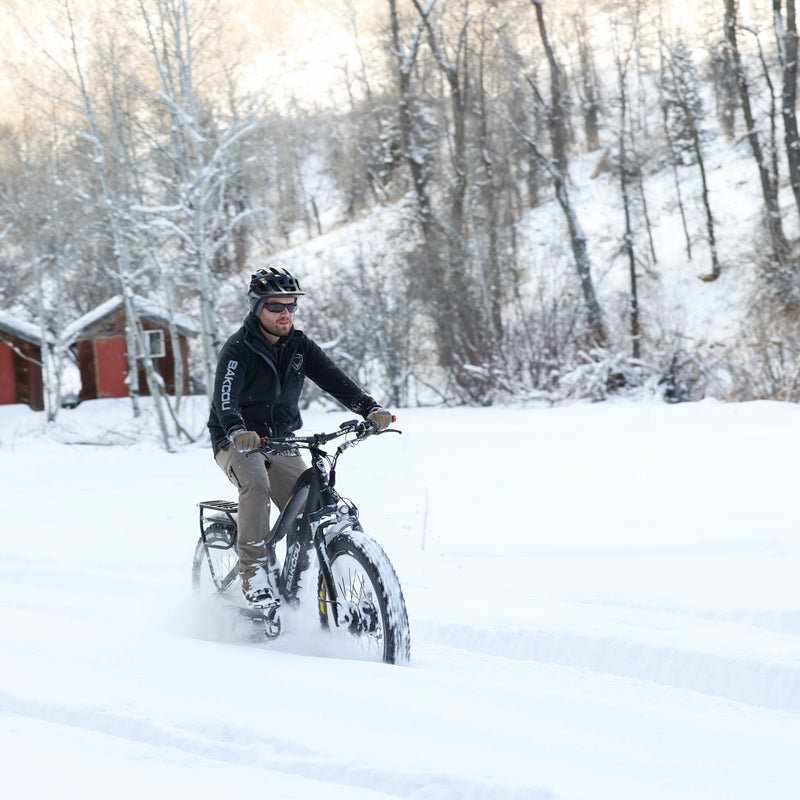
(271, 282)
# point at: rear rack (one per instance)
(226, 506)
(221, 525)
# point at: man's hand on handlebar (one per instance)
(381, 418)
(245, 441)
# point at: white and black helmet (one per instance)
(271, 282)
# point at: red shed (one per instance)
(21, 362)
(98, 339)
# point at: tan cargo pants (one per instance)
(259, 479)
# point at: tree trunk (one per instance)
(712, 241)
(558, 172)
(677, 181)
(769, 191)
(588, 82)
(691, 119)
(787, 48)
(416, 165)
(626, 206)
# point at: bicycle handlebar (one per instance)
(360, 429)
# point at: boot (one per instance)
(260, 589)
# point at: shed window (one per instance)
(154, 343)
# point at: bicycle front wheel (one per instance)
(370, 603)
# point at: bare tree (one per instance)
(462, 234)
(454, 69)
(788, 52)
(624, 176)
(200, 157)
(683, 110)
(769, 189)
(588, 85)
(673, 159)
(117, 213)
(412, 139)
(444, 261)
(726, 93)
(557, 167)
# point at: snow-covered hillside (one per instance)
(603, 599)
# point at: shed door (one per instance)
(111, 366)
(8, 393)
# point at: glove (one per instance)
(245, 441)
(380, 418)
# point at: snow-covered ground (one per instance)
(604, 605)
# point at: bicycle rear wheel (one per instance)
(371, 607)
(215, 566)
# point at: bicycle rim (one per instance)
(215, 567)
(368, 590)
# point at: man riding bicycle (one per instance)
(260, 375)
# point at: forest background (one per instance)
(486, 201)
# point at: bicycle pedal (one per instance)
(266, 619)
(272, 610)
(272, 622)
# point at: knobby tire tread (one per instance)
(375, 563)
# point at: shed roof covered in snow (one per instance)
(85, 325)
(20, 329)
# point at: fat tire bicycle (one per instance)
(357, 592)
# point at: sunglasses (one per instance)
(279, 308)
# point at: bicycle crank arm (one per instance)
(267, 620)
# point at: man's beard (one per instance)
(274, 329)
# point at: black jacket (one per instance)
(258, 384)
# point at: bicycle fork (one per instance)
(340, 612)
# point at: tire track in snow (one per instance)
(736, 677)
(235, 745)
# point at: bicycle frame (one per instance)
(314, 512)
(323, 509)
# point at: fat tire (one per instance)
(222, 535)
(395, 644)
